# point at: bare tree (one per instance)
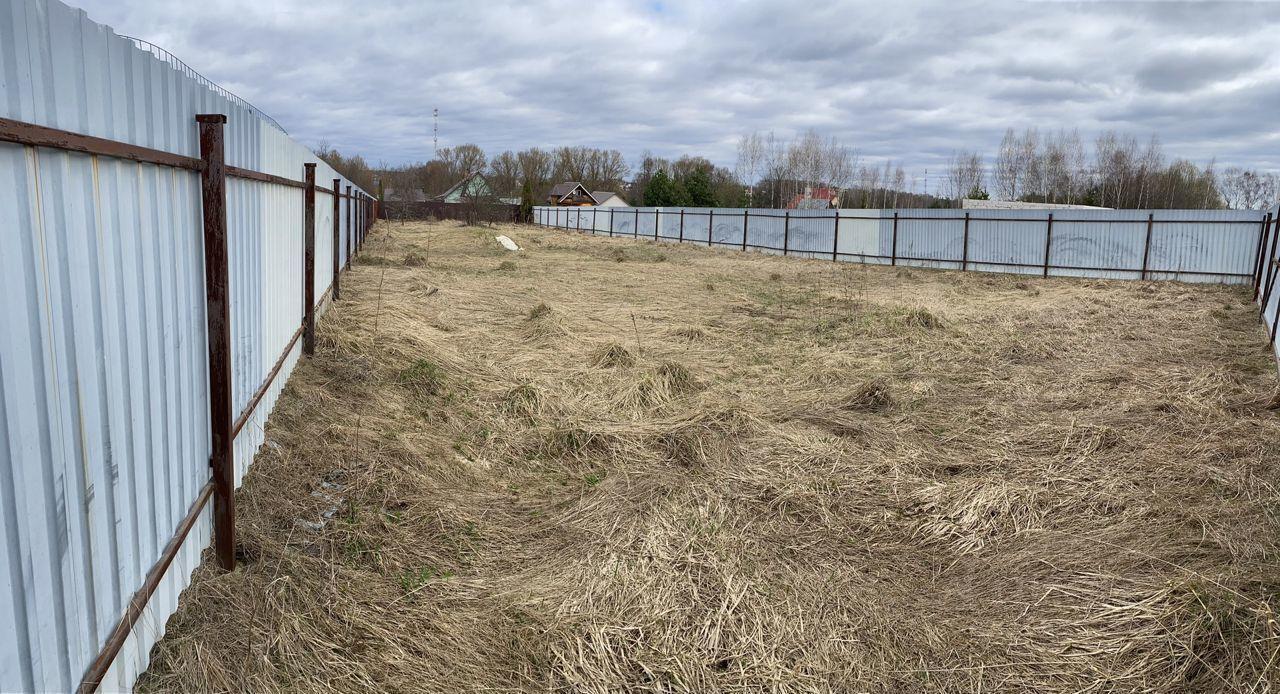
(1031, 159)
(462, 160)
(751, 155)
(964, 176)
(1149, 166)
(597, 169)
(1010, 166)
(504, 174)
(869, 182)
(1076, 166)
(839, 164)
(1053, 168)
(1244, 189)
(899, 180)
(805, 162)
(611, 169)
(775, 163)
(353, 167)
(1115, 167)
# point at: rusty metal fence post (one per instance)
(213, 191)
(681, 225)
(964, 252)
(1146, 247)
(350, 230)
(309, 260)
(1048, 242)
(893, 252)
(835, 239)
(337, 235)
(711, 225)
(786, 232)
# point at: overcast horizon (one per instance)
(907, 83)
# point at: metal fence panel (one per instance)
(1210, 241)
(860, 237)
(926, 238)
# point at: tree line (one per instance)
(529, 173)
(1032, 166)
(353, 168)
(1051, 167)
(1054, 167)
(685, 182)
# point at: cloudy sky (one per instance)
(908, 81)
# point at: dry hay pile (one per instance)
(603, 465)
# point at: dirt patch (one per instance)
(633, 466)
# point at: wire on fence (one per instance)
(177, 64)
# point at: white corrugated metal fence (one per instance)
(1186, 245)
(105, 440)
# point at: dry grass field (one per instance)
(602, 465)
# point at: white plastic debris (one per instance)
(507, 243)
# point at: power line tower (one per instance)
(435, 130)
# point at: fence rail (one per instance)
(1187, 245)
(171, 250)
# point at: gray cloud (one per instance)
(1188, 70)
(907, 81)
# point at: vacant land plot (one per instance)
(602, 465)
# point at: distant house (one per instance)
(606, 199)
(473, 186)
(819, 198)
(571, 194)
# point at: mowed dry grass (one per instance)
(606, 465)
